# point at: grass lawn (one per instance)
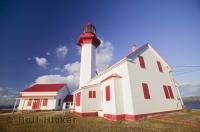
(59, 121)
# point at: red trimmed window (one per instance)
(146, 90)
(29, 102)
(78, 99)
(45, 101)
(170, 92)
(141, 60)
(92, 94)
(166, 91)
(107, 93)
(159, 66)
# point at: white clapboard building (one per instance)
(137, 86)
(43, 97)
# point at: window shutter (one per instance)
(78, 98)
(146, 91)
(159, 66)
(166, 91)
(170, 92)
(90, 94)
(107, 93)
(94, 94)
(141, 60)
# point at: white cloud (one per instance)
(70, 80)
(7, 96)
(50, 79)
(61, 51)
(73, 68)
(190, 89)
(104, 55)
(42, 62)
(56, 69)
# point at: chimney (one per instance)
(134, 48)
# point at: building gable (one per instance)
(138, 53)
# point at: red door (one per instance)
(36, 104)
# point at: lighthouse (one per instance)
(88, 41)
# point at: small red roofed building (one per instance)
(43, 97)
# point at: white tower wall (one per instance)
(88, 64)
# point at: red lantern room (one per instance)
(89, 36)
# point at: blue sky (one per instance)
(31, 28)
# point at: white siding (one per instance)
(91, 104)
(88, 63)
(155, 80)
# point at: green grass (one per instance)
(13, 122)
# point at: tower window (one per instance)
(146, 90)
(141, 61)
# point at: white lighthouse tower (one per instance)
(88, 42)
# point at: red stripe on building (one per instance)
(85, 114)
(135, 117)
